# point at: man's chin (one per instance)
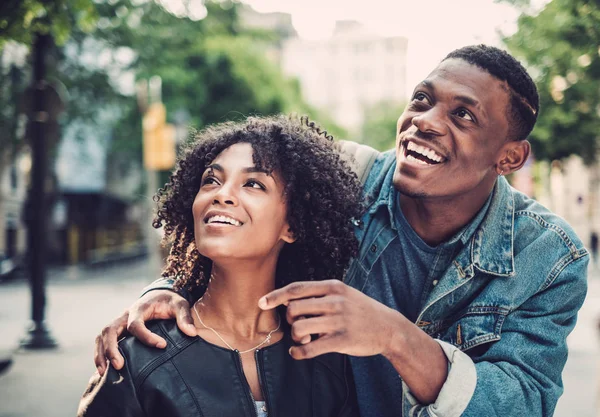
(408, 190)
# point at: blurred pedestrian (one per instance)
(463, 292)
(594, 247)
(237, 212)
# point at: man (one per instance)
(464, 290)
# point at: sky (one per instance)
(433, 27)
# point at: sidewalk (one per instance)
(80, 302)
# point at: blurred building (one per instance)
(97, 215)
(276, 22)
(348, 73)
(13, 191)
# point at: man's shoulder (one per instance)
(536, 223)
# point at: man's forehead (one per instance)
(458, 77)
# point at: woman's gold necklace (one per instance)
(267, 339)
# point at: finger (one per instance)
(99, 359)
(297, 309)
(111, 346)
(184, 319)
(299, 290)
(322, 345)
(303, 329)
(138, 329)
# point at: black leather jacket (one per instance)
(192, 377)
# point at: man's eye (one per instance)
(464, 114)
(254, 184)
(422, 97)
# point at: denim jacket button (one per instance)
(435, 281)
(374, 248)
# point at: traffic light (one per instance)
(159, 139)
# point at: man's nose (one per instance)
(431, 122)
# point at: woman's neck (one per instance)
(230, 304)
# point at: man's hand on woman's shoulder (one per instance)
(156, 304)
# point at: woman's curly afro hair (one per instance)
(322, 193)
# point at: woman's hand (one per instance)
(156, 304)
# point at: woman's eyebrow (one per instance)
(256, 169)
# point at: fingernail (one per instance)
(290, 351)
(262, 303)
(99, 369)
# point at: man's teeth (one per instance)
(412, 158)
(422, 150)
(224, 219)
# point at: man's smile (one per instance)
(421, 154)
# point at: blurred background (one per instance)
(96, 96)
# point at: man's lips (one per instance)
(421, 154)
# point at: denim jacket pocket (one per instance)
(478, 325)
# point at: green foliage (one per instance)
(211, 68)
(20, 20)
(379, 129)
(560, 47)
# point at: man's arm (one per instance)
(347, 321)
(158, 301)
(517, 375)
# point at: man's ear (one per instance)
(288, 236)
(512, 156)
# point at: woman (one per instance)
(251, 207)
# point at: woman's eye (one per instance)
(464, 114)
(254, 184)
(209, 180)
(422, 97)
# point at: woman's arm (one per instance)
(111, 394)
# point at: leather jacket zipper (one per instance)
(258, 359)
(243, 376)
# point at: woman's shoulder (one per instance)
(139, 357)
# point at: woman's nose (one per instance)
(226, 196)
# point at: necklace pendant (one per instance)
(268, 339)
(263, 408)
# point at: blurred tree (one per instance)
(379, 128)
(210, 66)
(20, 20)
(560, 47)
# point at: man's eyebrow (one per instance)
(468, 101)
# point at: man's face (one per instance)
(451, 133)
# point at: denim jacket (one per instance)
(501, 311)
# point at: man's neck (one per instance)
(437, 220)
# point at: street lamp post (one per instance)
(38, 336)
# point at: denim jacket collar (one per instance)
(491, 247)
(492, 244)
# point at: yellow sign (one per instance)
(159, 139)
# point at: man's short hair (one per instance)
(524, 100)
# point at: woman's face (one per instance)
(240, 211)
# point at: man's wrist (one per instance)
(394, 341)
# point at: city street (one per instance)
(80, 301)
